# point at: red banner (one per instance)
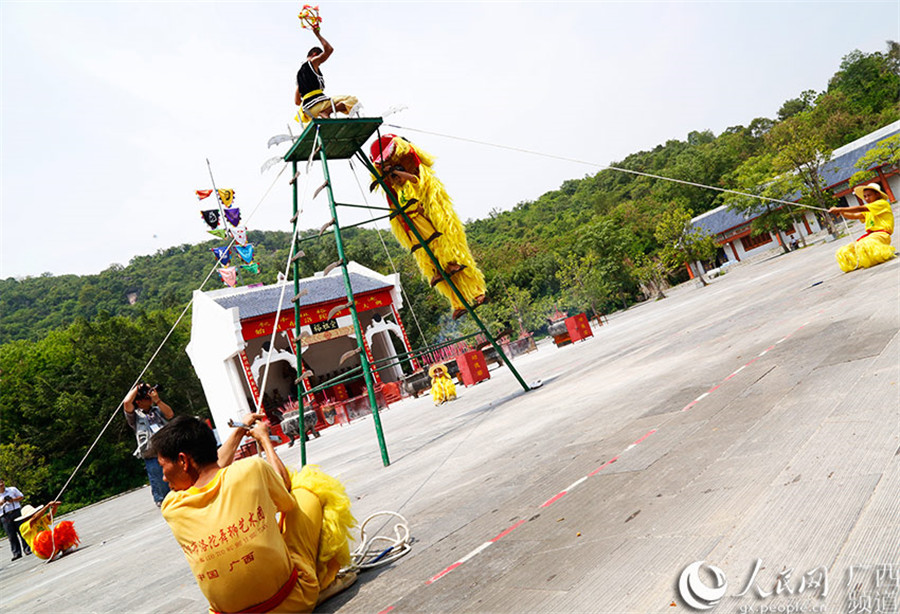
(261, 326)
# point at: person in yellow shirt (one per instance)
(442, 387)
(45, 542)
(874, 247)
(257, 537)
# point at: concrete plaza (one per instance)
(753, 424)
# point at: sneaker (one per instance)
(17, 557)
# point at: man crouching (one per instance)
(257, 537)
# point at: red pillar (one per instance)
(248, 373)
(406, 344)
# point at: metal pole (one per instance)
(364, 361)
(298, 383)
(440, 269)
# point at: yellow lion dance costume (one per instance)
(407, 172)
(442, 386)
(874, 247)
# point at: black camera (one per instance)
(144, 390)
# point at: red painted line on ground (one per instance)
(600, 468)
(553, 499)
(689, 405)
(510, 530)
(386, 610)
(644, 437)
(444, 573)
(714, 388)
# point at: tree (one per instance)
(885, 153)
(800, 150)
(758, 176)
(581, 278)
(683, 243)
(651, 273)
(870, 80)
(797, 105)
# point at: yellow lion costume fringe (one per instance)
(408, 172)
(865, 252)
(337, 520)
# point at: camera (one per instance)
(144, 390)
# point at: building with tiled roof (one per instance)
(240, 362)
(731, 229)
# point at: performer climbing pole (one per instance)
(408, 173)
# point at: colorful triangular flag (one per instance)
(252, 268)
(226, 197)
(222, 254)
(219, 232)
(245, 252)
(240, 235)
(201, 194)
(211, 217)
(233, 216)
(228, 275)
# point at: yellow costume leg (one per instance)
(325, 532)
(867, 252)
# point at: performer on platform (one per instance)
(310, 95)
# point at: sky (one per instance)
(109, 111)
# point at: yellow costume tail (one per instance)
(337, 520)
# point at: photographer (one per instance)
(146, 413)
(11, 498)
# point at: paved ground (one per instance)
(753, 421)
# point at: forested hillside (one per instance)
(72, 345)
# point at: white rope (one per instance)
(609, 167)
(284, 283)
(158, 349)
(379, 550)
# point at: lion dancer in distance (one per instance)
(408, 174)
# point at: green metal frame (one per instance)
(335, 139)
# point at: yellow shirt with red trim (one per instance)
(233, 543)
(30, 529)
(879, 216)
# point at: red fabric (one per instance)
(868, 232)
(275, 600)
(63, 537)
(382, 148)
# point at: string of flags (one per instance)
(224, 222)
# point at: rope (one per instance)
(259, 402)
(609, 167)
(158, 349)
(379, 550)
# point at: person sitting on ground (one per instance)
(44, 542)
(310, 95)
(225, 517)
(442, 387)
(874, 247)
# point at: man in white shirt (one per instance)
(11, 510)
